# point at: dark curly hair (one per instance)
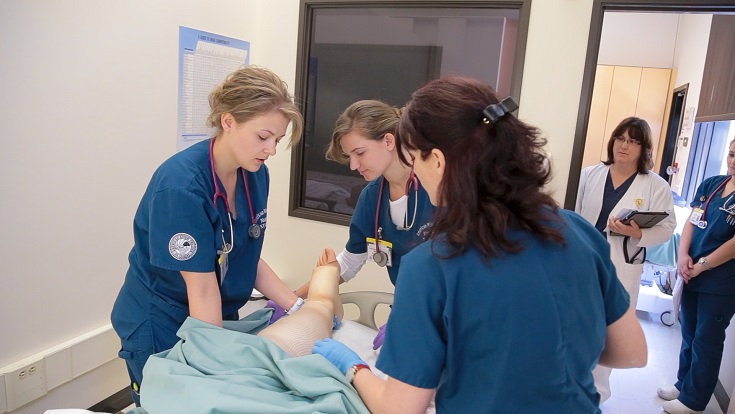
(495, 172)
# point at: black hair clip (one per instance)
(493, 112)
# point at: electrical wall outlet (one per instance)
(25, 384)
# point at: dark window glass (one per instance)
(348, 53)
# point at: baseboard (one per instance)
(31, 378)
(114, 403)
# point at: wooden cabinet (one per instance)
(620, 92)
(717, 99)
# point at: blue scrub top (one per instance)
(362, 224)
(721, 279)
(519, 333)
(177, 227)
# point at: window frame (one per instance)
(306, 16)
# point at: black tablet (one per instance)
(644, 219)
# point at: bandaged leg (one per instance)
(297, 333)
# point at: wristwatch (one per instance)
(353, 370)
(703, 262)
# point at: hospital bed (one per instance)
(357, 333)
(659, 273)
(659, 276)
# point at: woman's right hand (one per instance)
(684, 266)
(278, 312)
(337, 353)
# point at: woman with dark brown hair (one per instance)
(624, 181)
(512, 301)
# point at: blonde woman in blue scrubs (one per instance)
(393, 208)
(200, 226)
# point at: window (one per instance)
(349, 51)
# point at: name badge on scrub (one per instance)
(223, 263)
(382, 257)
(696, 218)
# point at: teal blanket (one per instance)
(230, 370)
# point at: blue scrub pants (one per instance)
(142, 344)
(135, 351)
(704, 319)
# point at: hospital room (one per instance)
(103, 99)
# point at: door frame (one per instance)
(599, 8)
(671, 140)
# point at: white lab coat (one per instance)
(648, 192)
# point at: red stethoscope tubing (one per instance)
(719, 187)
(218, 194)
(412, 180)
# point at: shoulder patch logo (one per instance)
(182, 246)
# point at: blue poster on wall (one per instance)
(205, 60)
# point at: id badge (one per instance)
(696, 216)
(385, 247)
(223, 263)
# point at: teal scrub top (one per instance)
(516, 334)
(177, 227)
(362, 224)
(721, 279)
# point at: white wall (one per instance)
(689, 58)
(663, 40)
(653, 34)
(88, 109)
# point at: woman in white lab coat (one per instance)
(624, 181)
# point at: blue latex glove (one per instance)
(337, 353)
(379, 338)
(278, 312)
(336, 323)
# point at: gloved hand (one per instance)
(278, 312)
(379, 338)
(337, 353)
(336, 323)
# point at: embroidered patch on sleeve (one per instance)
(182, 246)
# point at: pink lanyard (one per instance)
(412, 181)
(254, 229)
(719, 187)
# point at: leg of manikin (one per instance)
(297, 333)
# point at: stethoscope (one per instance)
(254, 229)
(702, 224)
(381, 258)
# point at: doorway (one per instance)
(673, 129)
(599, 9)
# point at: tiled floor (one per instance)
(634, 390)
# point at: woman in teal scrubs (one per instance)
(512, 301)
(393, 210)
(200, 226)
(706, 265)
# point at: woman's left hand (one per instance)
(631, 230)
(694, 272)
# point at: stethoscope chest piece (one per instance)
(380, 258)
(254, 231)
